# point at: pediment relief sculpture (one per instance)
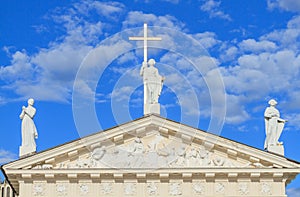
(154, 151)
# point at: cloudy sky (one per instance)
(223, 61)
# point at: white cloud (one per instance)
(212, 7)
(257, 46)
(207, 39)
(263, 68)
(288, 5)
(288, 37)
(49, 73)
(108, 9)
(229, 54)
(266, 72)
(6, 156)
(122, 93)
(137, 18)
(19, 69)
(236, 112)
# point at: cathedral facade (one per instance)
(150, 156)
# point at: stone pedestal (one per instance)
(152, 109)
(26, 150)
(278, 149)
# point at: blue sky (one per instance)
(223, 60)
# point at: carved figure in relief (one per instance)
(204, 156)
(135, 154)
(137, 148)
(97, 155)
(156, 144)
(193, 157)
(44, 166)
(274, 125)
(83, 163)
(180, 157)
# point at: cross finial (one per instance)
(145, 39)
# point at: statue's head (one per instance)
(151, 62)
(137, 140)
(30, 101)
(272, 102)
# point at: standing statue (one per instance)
(29, 132)
(274, 125)
(153, 82)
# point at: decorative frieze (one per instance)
(152, 189)
(152, 185)
(220, 188)
(175, 189)
(83, 189)
(61, 189)
(155, 152)
(38, 189)
(243, 188)
(198, 188)
(106, 188)
(129, 188)
(266, 189)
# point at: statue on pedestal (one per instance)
(153, 82)
(29, 132)
(274, 126)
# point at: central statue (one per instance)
(153, 82)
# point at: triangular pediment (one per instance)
(152, 142)
(146, 147)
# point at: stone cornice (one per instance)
(153, 171)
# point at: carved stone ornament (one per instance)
(266, 189)
(198, 188)
(106, 188)
(84, 189)
(175, 189)
(38, 189)
(157, 152)
(96, 156)
(44, 167)
(152, 189)
(61, 189)
(129, 188)
(243, 189)
(220, 188)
